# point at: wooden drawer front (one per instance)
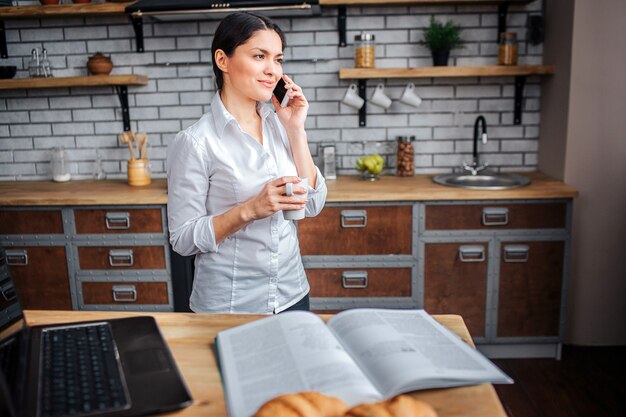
(124, 292)
(95, 221)
(455, 282)
(364, 282)
(496, 216)
(30, 222)
(40, 276)
(385, 230)
(121, 257)
(530, 288)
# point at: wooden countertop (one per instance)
(345, 188)
(191, 340)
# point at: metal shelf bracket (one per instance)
(3, 41)
(341, 25)
(520, 80)
(122, 93)
(363, 111)
(137, 21)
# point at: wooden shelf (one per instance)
(415, 2)
(25, 12)
(435, 72)
(89, 81)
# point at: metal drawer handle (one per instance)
(516, 253)
(353, 218)
(9, 294)
(17, 257)
(124, 293)
(121, 257)
(495, 216)
(469, 253)
(117, 220)
(354, 279)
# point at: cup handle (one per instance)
(289, 188)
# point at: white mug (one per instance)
(409, 97)
(352, 98)
(296, 214)
(379, 97)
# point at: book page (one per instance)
(290, 352)
(405, 350)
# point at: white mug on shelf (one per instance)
(409, 97)
(296, 214)
(352, 98)
(379, 97)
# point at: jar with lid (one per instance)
(507, 52)
(59, 166)
(365, 50)
(405, 162)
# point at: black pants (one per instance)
(302, 305)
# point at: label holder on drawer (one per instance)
(121, 257)
(124, 293)
(117, 220)
(354, 279)
(353, 218)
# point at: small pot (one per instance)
(99, 64)
(440, 57)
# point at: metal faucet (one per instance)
(474, 168)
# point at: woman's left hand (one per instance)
(294, 114)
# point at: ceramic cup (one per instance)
(379, 97)
(352, 98)
(409, 97)
(296, 214)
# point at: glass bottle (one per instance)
(34, 67)
(507, 52)
(405, 157)
(46, 68)
(59, 166)
(365, 50)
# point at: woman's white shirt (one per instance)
(213, 166)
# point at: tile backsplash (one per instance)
(87, 121)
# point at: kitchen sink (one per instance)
(485, 181)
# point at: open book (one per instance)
(361, 355)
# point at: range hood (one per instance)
(216, 9)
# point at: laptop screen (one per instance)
(11, 323)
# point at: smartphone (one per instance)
(281, 92)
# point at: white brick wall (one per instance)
(177, 59)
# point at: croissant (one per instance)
(400, 406)
(303, 404)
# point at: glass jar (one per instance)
(59, 166)
(365, 56)
(405, 157)
(507, 52)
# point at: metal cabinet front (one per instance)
(124, 293)
(126, 257)
(118, 220)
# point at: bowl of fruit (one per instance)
(370, 166)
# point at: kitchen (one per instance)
(566, 142)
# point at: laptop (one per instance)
(118, 367)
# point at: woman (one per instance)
(227, 177)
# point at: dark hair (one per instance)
(234, 30)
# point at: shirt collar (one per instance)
(222, 117)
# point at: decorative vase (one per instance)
(440, 57)
(99, 64)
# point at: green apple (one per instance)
(359, 165)
(370, 164)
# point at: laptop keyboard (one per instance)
(80, 372)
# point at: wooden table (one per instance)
(191, 339)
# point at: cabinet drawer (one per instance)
(455, 282)
(40, 276)
(30, 222)
(124, 292)
(364, 282)
(97, 221)
(357, 230)
(121, 257)
(496, 216)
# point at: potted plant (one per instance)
(440, 39)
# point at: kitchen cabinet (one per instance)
(89, 258)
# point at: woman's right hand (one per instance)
(272, 198)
